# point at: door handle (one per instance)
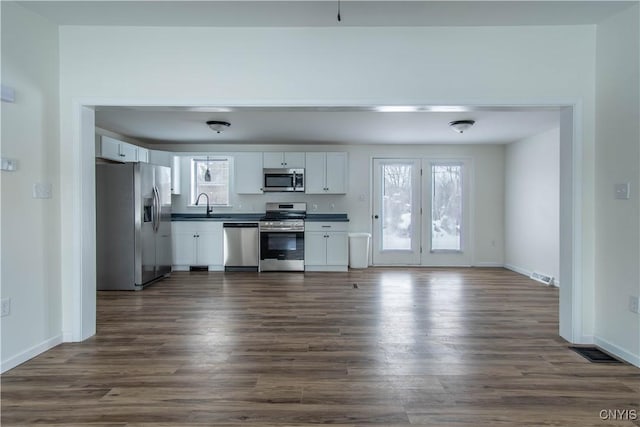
(156, 197)
(375, 216)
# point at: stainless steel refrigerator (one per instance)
(133, 224)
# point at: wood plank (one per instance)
(408, 346)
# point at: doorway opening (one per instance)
(80, 289)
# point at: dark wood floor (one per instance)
(474, 347)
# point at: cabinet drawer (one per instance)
(196, 226)
(326, 226)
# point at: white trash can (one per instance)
(359, 250)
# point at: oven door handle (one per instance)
(282, 230)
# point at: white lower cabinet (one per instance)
(326, 246)
(197, 243)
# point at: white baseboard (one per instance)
(326, 268)
(30, 353)
(517, 269)
(623, 354)
(67, 336)
(585, 339)
(527, 273)
(489, 264)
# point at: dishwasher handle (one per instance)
(240, 224)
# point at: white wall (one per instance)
(30, 227)
(487, 198)
(342, 66)
(532, 204)
(327, 66)
(617, 161)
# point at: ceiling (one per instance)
(313, 125)
(325, 125)
(303, 13)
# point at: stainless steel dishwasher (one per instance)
(241, 246)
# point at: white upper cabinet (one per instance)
(143, 155)
(118, 151)
(161, 158)
(326, 173)
(248, 173)
(289, 160)
(175, 175)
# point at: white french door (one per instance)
(421, 212)
(396, 211)
(447, 209)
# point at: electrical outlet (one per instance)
(5, 307)
(633, 304)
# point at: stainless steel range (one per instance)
(282, 237)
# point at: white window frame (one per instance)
(193, 190)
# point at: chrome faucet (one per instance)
(209, 209)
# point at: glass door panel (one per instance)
(396, 228)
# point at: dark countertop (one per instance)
(327, 218)
(252, 217)
(216, 217)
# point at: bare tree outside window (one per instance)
(396, 206)
(446, 207)
(217, 188)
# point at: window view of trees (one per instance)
(446, 207)
(396, 206)
(214, 183)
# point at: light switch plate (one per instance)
(5, 307)
(9, 164)
(622, 191)
(42, 190)
(8, 94)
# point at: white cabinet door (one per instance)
(143, 155)
(110, 148)
(248, 173)
(315, 248)
(314, 173)
(326, 173)
(128, 152)
(272, 160)
(209, 244)
(183, 244)
(336, 173)
(294, 160)
(118, 151)
(337, 248)
(277, 159)
(175, 176)
(161, 158)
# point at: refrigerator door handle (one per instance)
(156, 204)
(153, 210)
(159, 209)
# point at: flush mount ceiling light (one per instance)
(218, 126)
(461, 126)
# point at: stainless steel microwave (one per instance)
(283, 180)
